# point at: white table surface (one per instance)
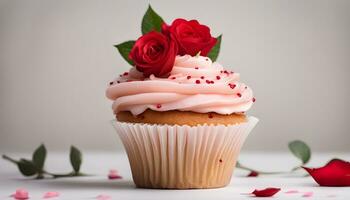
(99, 163)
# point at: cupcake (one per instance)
(180, 116)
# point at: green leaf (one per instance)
(214, 52)
(301, 150)
(151, 21)
(75, 158)
(27, 167)
(124, 50)
(39, 157)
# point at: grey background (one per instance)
(56, 58)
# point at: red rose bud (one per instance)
(335, 173)
(253, 174)
(190, 36)
(154, 53)
(267, 192)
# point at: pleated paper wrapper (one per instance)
(182, 157)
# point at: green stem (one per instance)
(40, 176)
(296, 168)
(59, 175)
(71, 174)
(9, 159)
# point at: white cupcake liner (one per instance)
(182, 157)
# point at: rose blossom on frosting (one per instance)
(180, 91)
(154, 53)
(190, 36)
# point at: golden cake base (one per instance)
(181, 118)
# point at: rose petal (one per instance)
(292, 191)
(253, 174)
(48, 195)
(267, 192)
(308, 194)
(113, 174)
(21, 194)
(335, 173)
(103, 197)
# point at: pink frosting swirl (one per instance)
(195, 84)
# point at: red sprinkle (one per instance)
(188, 77)
(206, 59)
(198, 81)
(212, 82)
(202, 77)
(111, 83)
(126, 73)
(159, 106)
(207, 81)
(232, 85)
(220, 160)
(239, 94)
(173, 77)
(118, 81)
(218, 77)
(210, 115)
(253, 99)
(196, 68)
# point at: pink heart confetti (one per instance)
(21, 194)
(292, 191)
(103, 197)
(48, 195)
(113, 174)
(308, 194)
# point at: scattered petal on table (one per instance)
(335, 173)
(292, 191)
(267, 192)
(48, 195)
(253, 174)
(103, 197)
(308, 194)
(21, 194)
(113, 174)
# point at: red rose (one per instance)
(190, 36)
(154, 53)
